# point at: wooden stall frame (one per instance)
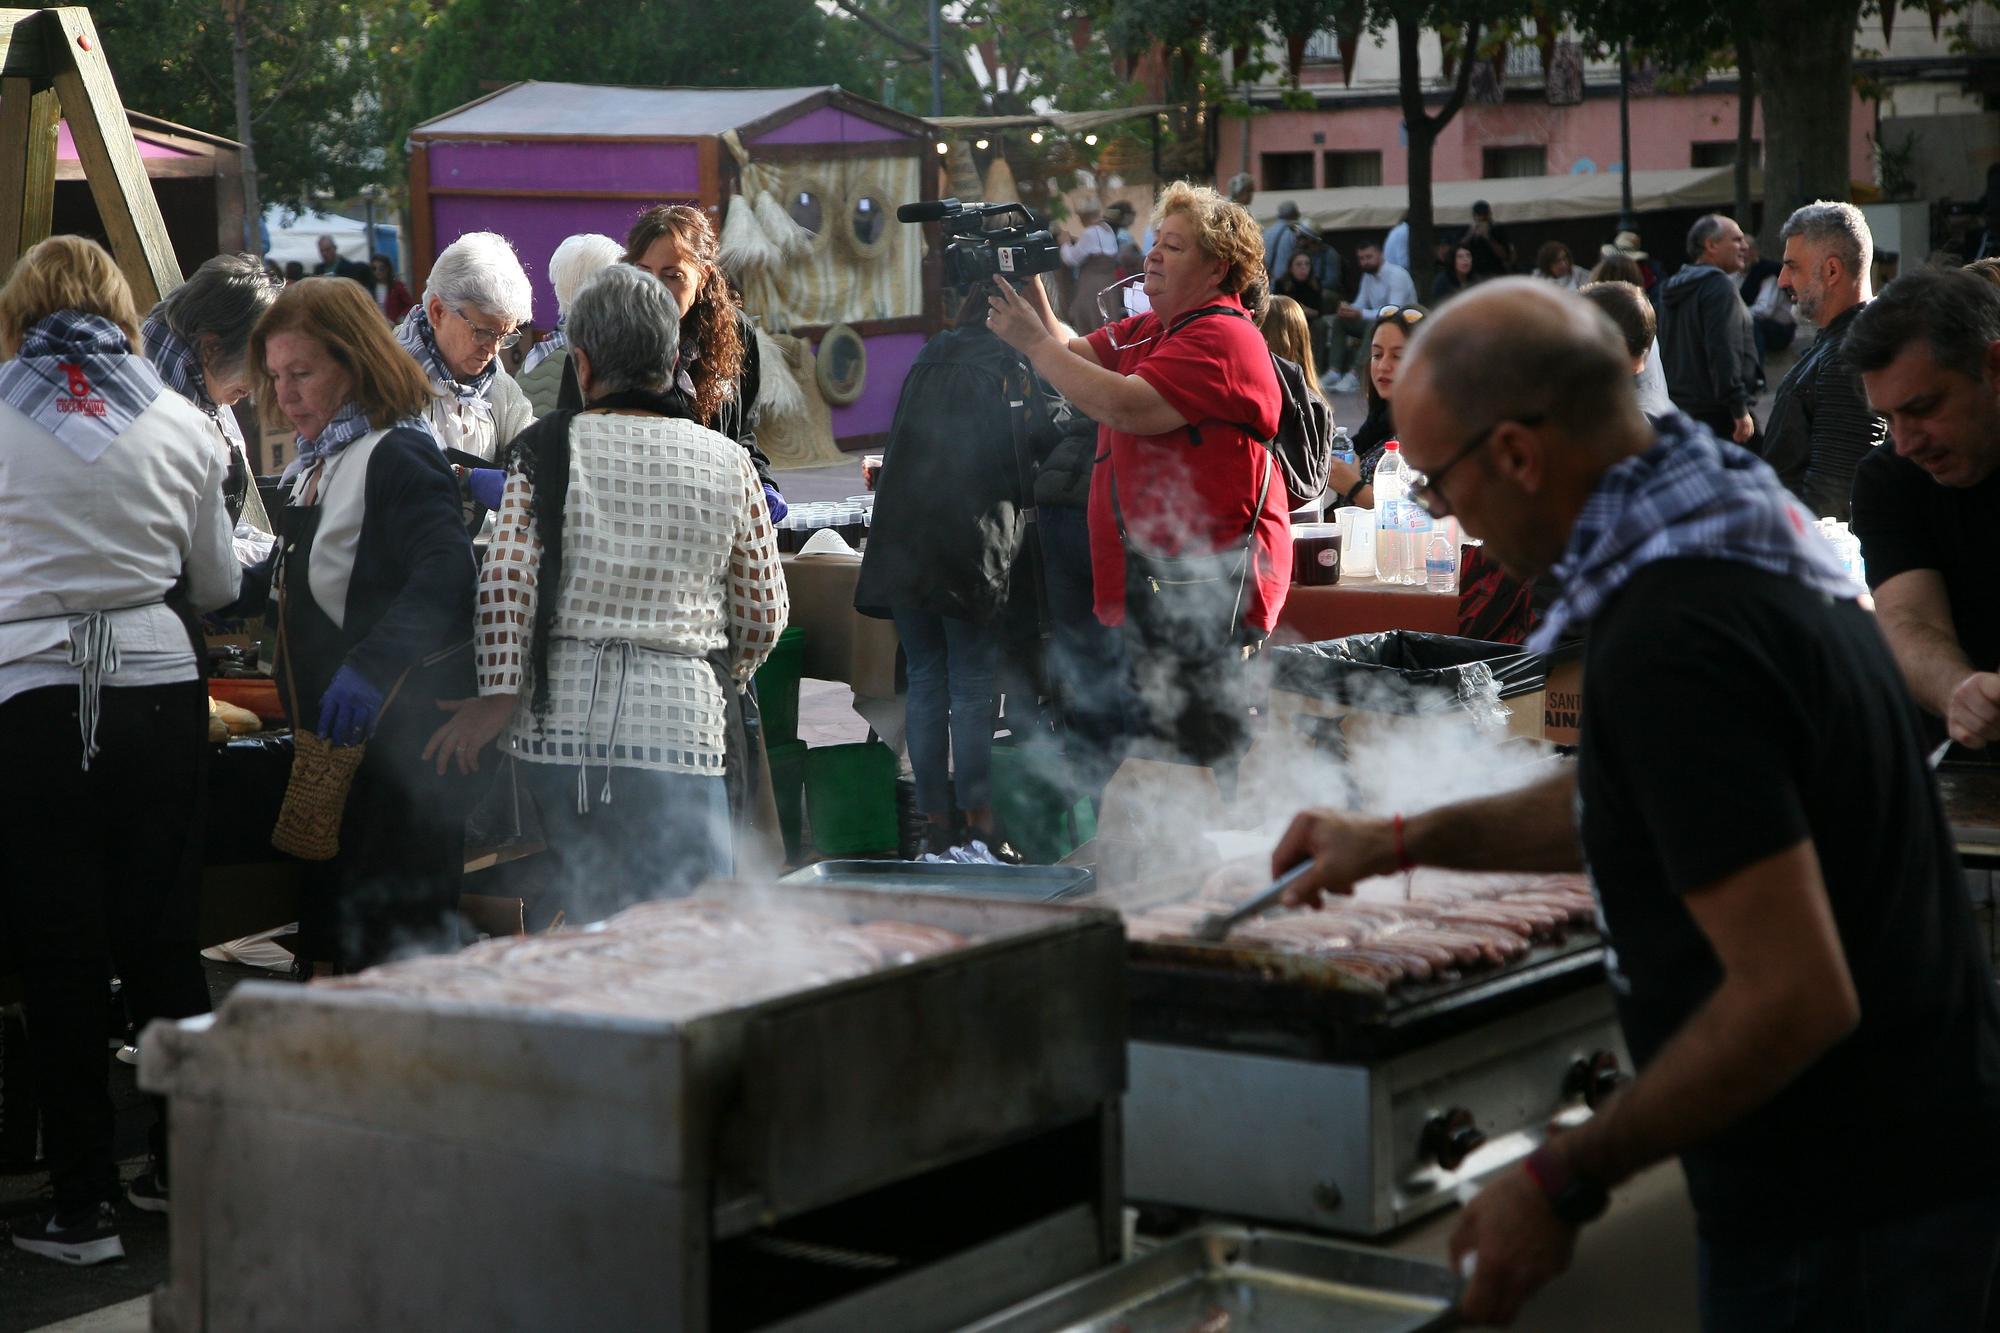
(52, 67)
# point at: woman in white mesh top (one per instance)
(632, 588)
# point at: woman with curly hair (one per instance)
(1184, 496)
(717, 371)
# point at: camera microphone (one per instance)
(932, 211)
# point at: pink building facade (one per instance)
(1331, 146)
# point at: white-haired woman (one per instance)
(576, 261)
(475, 301)
(609, 648)
(198, 339)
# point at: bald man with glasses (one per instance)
(1788, 939)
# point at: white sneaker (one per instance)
(87, 1238)
(1347, 383)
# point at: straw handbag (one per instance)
(308, 824)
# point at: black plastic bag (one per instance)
(1401, 671)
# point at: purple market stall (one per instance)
(802, 183)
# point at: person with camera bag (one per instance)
(1190, 539)
(945, 560)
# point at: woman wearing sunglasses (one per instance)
(1186, 397)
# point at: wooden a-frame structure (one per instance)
(51, 69)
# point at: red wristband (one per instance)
(1403, 858)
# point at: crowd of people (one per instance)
(630, 590)
(1549, 414)
(1598, 433)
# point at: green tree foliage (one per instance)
(472, 46)
(317, 72)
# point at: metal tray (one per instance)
(1041, 884)
(1245, 1281)
(1970, 790)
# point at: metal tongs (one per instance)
(1215, 927)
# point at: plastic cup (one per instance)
(1357, 541)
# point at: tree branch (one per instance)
(1461, 84)
(955, 68)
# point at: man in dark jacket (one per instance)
(1820, 425)
(331, 265)
(1707, 345)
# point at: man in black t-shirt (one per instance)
(1492, 252)
(1788, 938)
(1928, 510)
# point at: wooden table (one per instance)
(1363, 606)
(841, 643)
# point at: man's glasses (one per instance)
(1111, 306)
(1427, 492)
(500, 339)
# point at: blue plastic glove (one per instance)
(486, 485)
(777, 502)
(348, 709)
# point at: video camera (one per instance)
(976, 250)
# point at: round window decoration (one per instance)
(804, 206)
(869, 221)
(842, 368)
(868, 230)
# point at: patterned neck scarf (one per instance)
(419, 339)
(348, 425)
(546, 348)
(180, 366)
(77, 377)
(1689, 497)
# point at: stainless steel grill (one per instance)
(908, 1149)
(1272, 1086)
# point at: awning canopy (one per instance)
(1068, 122)
(1514, 198)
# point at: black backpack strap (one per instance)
(1194, 431)
(1194, 315)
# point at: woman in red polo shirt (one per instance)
(1187, 398)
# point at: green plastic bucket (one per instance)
(1043, 819)
(788, 788)
(778, 687)
(851, 798)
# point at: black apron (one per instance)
(394, 884)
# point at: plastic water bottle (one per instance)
(1439, 575)
(1343, 448)
(1416, 532)
(1392, 497)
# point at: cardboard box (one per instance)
(1562, 704)
(1151, 820)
